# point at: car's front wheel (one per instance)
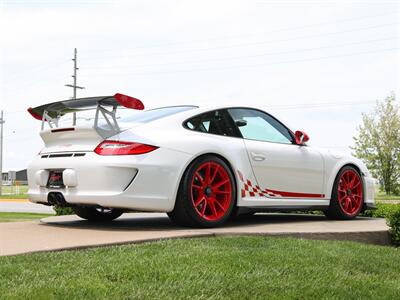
(97, 214)
(347, 195)
(207, 194)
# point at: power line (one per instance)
(243, 44)
(369, 17)
(36, 69)
(248, 66)
(318, 105)
(250, 56)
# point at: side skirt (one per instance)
(281, 202)
(243, 210)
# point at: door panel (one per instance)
(282, 168)
(287, 170)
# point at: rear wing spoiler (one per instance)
(106, 105)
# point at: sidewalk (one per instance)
(23, 205)
(71, 232)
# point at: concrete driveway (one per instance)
(71, 232)
(23, 205)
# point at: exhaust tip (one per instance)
(56, 198)
(51, 199)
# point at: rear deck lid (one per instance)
(70, 139)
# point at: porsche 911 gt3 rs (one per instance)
(200, 165)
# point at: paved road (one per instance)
(71, 232)
(23, 205)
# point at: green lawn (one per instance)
(218, 268)
(382, 196)
(18, 217)
(19, 196)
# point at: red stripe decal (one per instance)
(253, 190)
(300, 195)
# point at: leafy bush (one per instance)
(61, 211)
(393, 221)
(384, 210)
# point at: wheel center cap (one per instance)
(208, 191)
(349, 192)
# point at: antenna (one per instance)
(74, 86)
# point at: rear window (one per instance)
(126, 117)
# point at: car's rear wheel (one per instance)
(347, 195)
(97, 214)
(207, 194)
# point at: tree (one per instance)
(378, 143)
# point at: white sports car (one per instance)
(200, 165)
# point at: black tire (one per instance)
(336, 210)
(95, 214)
(243, 213)
(185, 213)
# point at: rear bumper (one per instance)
(145, 182)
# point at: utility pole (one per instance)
(74, 86)
(1, 151)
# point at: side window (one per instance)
(215, 122)
(256, 125)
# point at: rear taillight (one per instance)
(122, 148)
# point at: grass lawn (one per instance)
(19, 196)
(218, 268)
(382, 196)
(18, 217)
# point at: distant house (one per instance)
(20, 175)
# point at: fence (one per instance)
(14, 188)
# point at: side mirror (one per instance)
(241, 123)
(301, 137)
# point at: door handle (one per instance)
(257, 156)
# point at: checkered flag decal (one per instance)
(250, 190)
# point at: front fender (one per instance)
(334, 163)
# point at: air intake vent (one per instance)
(63, 155)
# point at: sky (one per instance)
(316, 65)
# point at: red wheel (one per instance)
(206, 195)
(350, 193)
(347, 195)
(211, 191)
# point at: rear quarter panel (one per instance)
(172, 135)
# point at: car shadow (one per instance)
(158, 222)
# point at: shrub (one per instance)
(61, 211)
(393, 220)
(384, 210)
